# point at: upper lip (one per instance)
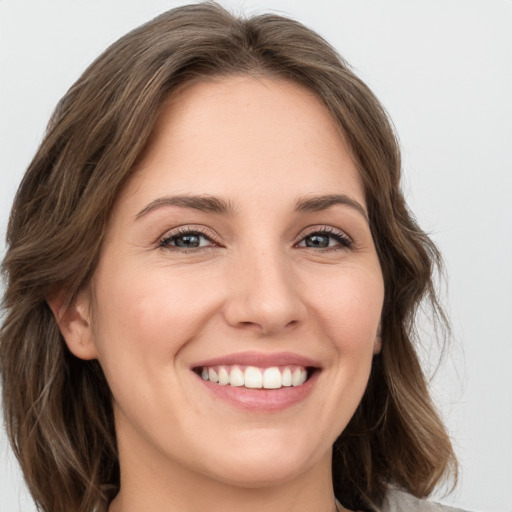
(260, 360)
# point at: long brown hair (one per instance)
(57, 408)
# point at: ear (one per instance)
(73, 319)
(377, 344)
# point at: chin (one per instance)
(255, 475)
(263, 466)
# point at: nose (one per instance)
(264, 294)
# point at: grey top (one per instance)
(398, 501)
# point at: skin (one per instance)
(152, 311)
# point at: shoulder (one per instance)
(398, 501)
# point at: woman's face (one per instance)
(240, 251)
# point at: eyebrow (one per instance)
(208, 204)
(317, 203)
(219, 206)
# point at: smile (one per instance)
(252, 377)
(259, 382)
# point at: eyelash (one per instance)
(344, 242)
(184, 231)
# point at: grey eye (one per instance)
(317, 240)
(325, 240)
(188, 241)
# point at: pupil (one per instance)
(317, 241)
(188, 241)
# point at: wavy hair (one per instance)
(57, 408)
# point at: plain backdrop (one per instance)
(443, 69)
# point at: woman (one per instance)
(212, 278)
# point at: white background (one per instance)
(443, 69)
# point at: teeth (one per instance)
(236, 377)
(272, 378)
(253, 377)
(223, 376)
(299, 377)
(256, 378)
(212, 375)
(287, 377)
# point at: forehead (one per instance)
(236, 134)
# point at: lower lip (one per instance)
(261, 400)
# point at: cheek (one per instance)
(349, 305)
(142, 316)
(146, 305)
(346, 306)
(142, 320)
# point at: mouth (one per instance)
(254, 377)
(257, 382)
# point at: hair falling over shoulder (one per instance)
(57, 408)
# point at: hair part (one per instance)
(57, 408)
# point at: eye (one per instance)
(186, 239)
(326, 239)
